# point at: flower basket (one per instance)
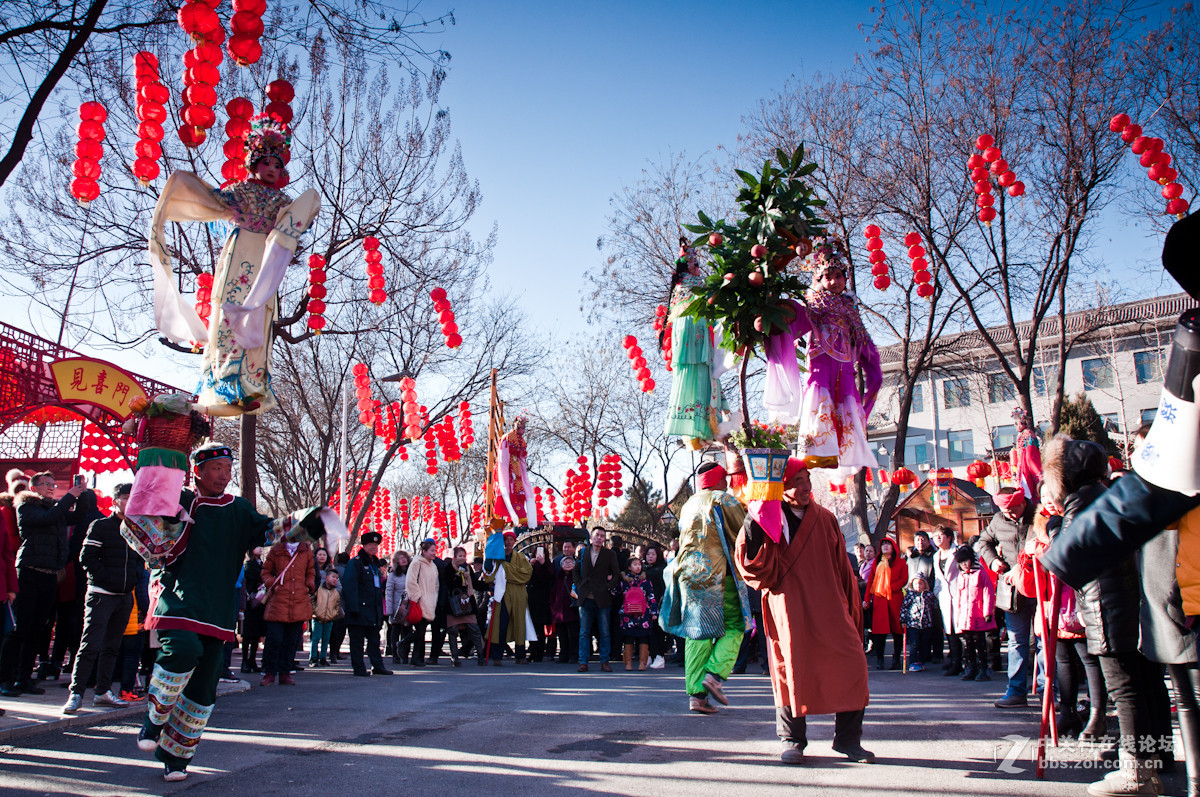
(764, 472)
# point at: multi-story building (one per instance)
(962, 407)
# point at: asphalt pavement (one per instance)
(545, 729)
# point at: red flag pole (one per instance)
(1048, 724)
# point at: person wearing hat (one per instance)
(362, 597)
(812, 614)
(510, 606)
(113, 570)
(194, 609)
(708, 525)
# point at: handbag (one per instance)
(1069, 619)
(259, 597)
(697, 613)
(414, 615)
(1007, 597)
(461, 604)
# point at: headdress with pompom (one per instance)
(268, 137)
(827, 251)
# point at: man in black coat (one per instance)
(42, 523)
(113, 570)
(598, 573)
(362, 598)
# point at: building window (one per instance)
(1097, 374)
(1149, 415)
(1004, 437)
(1112, 421)
(916, 450)
(961, 445)
(1041, 376)
(956, 393)
(1149, 365)
(918, 397)
(1000, 388)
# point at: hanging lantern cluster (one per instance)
(920, 266)
(403, 517)
(983, 167)
(88, 150)
(247, 26)
(552, 503)
(476, 518)
(151, 112)
(904, 479)
(374, 260)
(608, 479)
(1157, 161)
(637, 361)
(877, 258)
(201, 74)
(579, 491)
(977, 471)
(537, 504)
(431, 466)
(662, 325)
(97, 453)
(362, 391)
(447, 440)
(467, 425)
(410, 407)
(445, 316)
(884, 479)
(280, 94)
(204, 284)
(386, 421)
(240, 110)
(316, 293)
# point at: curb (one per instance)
(84, 720)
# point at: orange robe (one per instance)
(812, 613)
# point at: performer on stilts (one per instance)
(514, 503)
(194, 609)
(267, 226)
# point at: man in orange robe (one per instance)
(812, 614)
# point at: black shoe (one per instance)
(855, 753)
(380, 671)
(362, 673)
(9, 690)
(970, 672)
(246, 668)
(147, 738)
(30, 688)
(323, 662)
(417, 664)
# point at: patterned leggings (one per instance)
(183, 689)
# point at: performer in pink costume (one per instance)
(831, 413)
(1026, 456)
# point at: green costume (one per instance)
(702, 564)
(696, 397)
(515, 603)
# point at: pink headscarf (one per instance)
(710, 478)
(1011, 503)
(794, 466)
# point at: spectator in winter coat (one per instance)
(423, 586)
(1075, 473)
(563, 611)
(290, 577)
(42, 523)
(916, 613)
(945, 568)
(113, 571)
(461, 621)
(327, 607)
(362, 599)
(884, 594)
(974, 601)
(394, 596)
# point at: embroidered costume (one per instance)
(1025, 458)
(514, 503)
(235, 375)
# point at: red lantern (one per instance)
(280, 91)
(984, 141)
(1118, 122)
(986, 215)
(1177, 207)
(1016, 189)
(925, 290)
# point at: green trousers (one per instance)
(183, 689)
(702, 656)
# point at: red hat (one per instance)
(794, 466)
(710, 477)
(510, 533)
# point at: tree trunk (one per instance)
(248, 474)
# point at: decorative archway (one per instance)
(53, 401)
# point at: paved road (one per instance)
(547, 730)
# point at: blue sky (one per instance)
(559, 105)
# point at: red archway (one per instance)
(52, 397)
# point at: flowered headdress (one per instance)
(826, 252)
(268, 137)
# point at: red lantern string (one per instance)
(240, 110)
(877, 258)
(201, 74)
(151, 113)
(431, 466)
(410, 409)
(204, 296)
(362, 392)
(280, 94)
(316, 293)
(445, 316)
(1155, 159)
(465, 421)
(920, 266)
(638, 362)
(247, 26)
(374, 261)
(85, 187)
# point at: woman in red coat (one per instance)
(290, 577)
(885, 593)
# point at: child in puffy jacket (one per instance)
(639, 612)
(916, 613)
(974, 601)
